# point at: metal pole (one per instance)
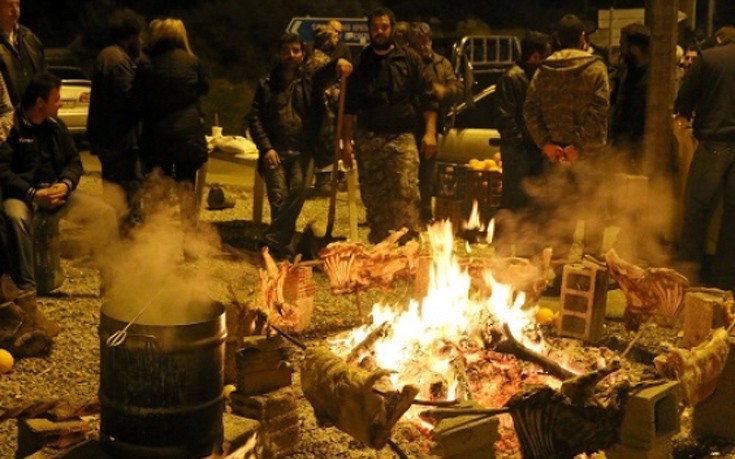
(711, 18)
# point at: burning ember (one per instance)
(447, 344)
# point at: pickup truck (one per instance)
(470, 126)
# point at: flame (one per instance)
(474, 223)
(490, 231)
(432, 341)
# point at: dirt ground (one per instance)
(225, 261)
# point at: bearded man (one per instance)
(387, 93)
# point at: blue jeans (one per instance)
(286, 186)
(92, 213)
(712, 172)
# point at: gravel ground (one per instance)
(72, 368)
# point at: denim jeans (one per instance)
(97, 218)
(712, 172)
(286, 187)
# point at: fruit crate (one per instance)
(486, 187)
(451, 180)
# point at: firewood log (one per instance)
(343, 396)
(698, 369)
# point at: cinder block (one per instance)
(237, 432)
(259, 407)
(465, 435)
(661, 450)
(715, 416)
(651, 416)
(583, 302)
(702, 312)
(35, 434)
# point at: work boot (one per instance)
(29, 305)
(19, 332)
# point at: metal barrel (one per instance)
(161, 388)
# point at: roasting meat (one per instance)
(651, 293)
(698, 369)
(351, 266)
(343, 396)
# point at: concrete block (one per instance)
(259, 407)
(458, 437)
(651, 416)
(237, 431)
(702, 312)
(583, 302)
(35, 434)
(715, 416)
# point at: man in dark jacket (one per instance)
(21, 52)
(39, 171)
(628, 99)
(112, 125)
(283, 124)
(388, 94)
(448, 90)
(706, 95)
(521, 157)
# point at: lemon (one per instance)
(6, 361)
(228, 390)
(545, 316)
(497, 157)
(475, 164)
(489, 164)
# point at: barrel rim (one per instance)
(108, 311)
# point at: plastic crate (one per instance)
(486, 187)
(451, 180)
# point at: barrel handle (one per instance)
(119, 336)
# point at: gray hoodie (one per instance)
(568, 100)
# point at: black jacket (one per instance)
(389, 93)
(708, 91)
(511, 94)
(22, 169)
(112, 122)
(167, 86)
(286, 117)
(19, 65)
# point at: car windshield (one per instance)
(68, 73)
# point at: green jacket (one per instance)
(568, 100)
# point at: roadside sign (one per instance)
(355, 31)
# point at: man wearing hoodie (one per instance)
(566, 108)
(566, 113)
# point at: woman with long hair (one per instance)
(168, 85)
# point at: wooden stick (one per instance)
(632, 342)
(454, 412)
(519, 350)
(396, 449)
(367, 344)
(437, 403)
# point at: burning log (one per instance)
(651, 293)
(511, 346)
(366, 345)
(352, 267)
(699, 369)
(343, 396)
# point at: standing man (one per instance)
(521, 157)
(448, 90)
(628, 118)
(39, 171)
(21, 52)
(112, 125)
(567, 103)
(566, 113)
(283, 122)
(388, 93)
(707, 94)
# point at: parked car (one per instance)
(76, 88)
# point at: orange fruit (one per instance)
(6, 361)
(545, 316)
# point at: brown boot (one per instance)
(29, 305)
